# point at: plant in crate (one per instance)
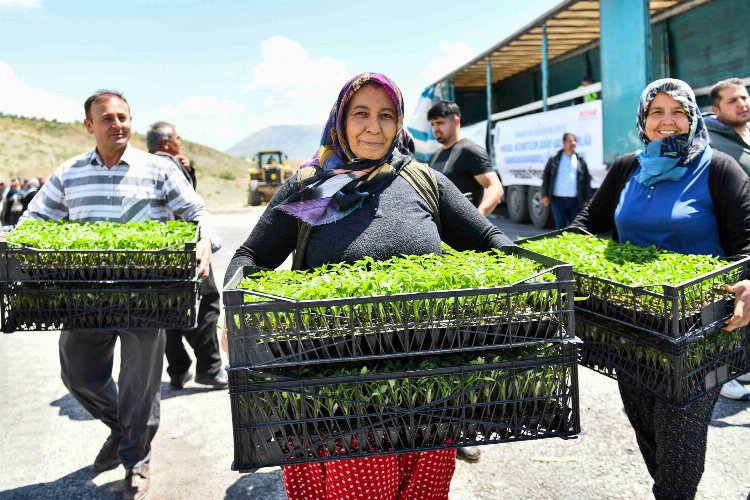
(413, 404)
(676, 371)
(73, 275)
(654, 289)
(64, 250)
(407, 304)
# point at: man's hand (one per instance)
(224, 338)
(545, 201)
(203, 256)
(183, 160)
(741, 316)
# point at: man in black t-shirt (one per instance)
(470, 169)
(462, 161)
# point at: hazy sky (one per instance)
(222, 69)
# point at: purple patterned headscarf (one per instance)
(334, 151)
(345, 181)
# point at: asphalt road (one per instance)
(48, 442)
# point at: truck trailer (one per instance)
(519, 97)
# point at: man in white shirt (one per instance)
(566, 183)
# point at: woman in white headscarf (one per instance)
(680, 195)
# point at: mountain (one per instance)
(32, 147)
(297, 141)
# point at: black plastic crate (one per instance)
(672, 312)
(41, 305)
(677, 372)
(21, 263)
(287, 332)
(284, 421)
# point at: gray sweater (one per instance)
(396, 221)
(728, 141)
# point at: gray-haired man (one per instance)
(162, 140)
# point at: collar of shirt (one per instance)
(571, 160)
(127, 157)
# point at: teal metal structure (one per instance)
(449, 93)
(625, 65)
(488, 135)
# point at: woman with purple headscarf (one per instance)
(355, 204)
(681, 195)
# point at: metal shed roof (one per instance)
(571, 25)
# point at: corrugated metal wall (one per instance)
(473, 104)
(711, 42)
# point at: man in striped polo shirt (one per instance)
(117, 182)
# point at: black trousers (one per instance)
(13, 218)
(130, 407)
(203, 338)
(672, 440)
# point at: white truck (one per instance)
(523, 145)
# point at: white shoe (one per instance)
(735, 390)
(744, 378)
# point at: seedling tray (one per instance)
(671, 312)
(41, 305)
(285, 332)
(676, 372)
(282, 421)
(21, 263)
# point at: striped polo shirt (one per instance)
(140, 187)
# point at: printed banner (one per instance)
(523, 145)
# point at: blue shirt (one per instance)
(566, 177)
(674, 215)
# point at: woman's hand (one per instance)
(741, 316)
